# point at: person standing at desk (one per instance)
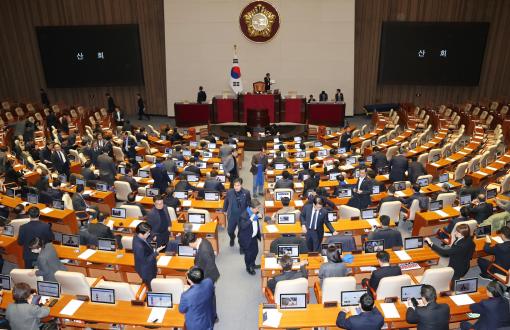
(259, 164)
(141, 107)
(145, 254)
(110, 103)
(48, 262)
(249, 235)
(201, 96)
(323, 96)
(21, 314)
(197, 302)
(230, 166)
(363, 190)
(267, 83)
(339, 97)
(313, 218)
(236, 202)
(310, 99)
(345, 139)
(30, 230)
(60, 161)
(159, 219)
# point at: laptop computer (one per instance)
(58, 204)
(325, 247)
(185, 251)
(8, 231)
(48, 289)
(373, 246)
(468, 285)
(102, 296)
(118, 212)
(281, 194)
(159, 300)
(5, 282)
(368, 214)
(410, 291)
(198, 218)
(211, 196)
(415, 242)
(151, 192)
(423, 182)
(332, 216)
(71, 240)
(106, 244)
(465, 199)
(436, 205)
(351, 298)
(286, 218)
(482, 231)
(293, 301)
(491, 193)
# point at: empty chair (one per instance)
(332, 287)
(439, 278)
(123, 290)
(298, 285)
(392, 151)
(423, 158)
(348, 212)
(415, 207)
(460, 171)
(433, 154)
(75, 283)
(175, 286)
(132, 211)
(148, 149)
(390, 286)
(391, 209)
(127, 242)
(122, 190)
(364, 145)
(474, 164)
(447, 198)
(25, 275)
(118, 154)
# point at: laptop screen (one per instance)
(198, 218)
(345, 192)
(50, 289)
(373, 246)
(468, 285)
(399, 186)
(376, 189)
(180, 194)
(221, 178)
(341, 150)
(71, 240)
(192, 178)
(465, 199)
(293, 301)
(482, 231)
(139, 158)
(32, 198)
(280, 166)
(143, 173)
(280, 194)
(351, 298)
(185, 251)
(436, 205)
(151, 192)
(410, 291)
(301, 154)
(161, 300)
(80, 182)
(5, 282)
(322, 153)
(57, 204)
(413, 243)
(423, 182)
(368, 214)
(201, 164)
(491, 193)
(211, 196)
(105, 244)
(325, 246)
(119, 213)
(8, 231)
(332, 216)
(101, 186)
(286, 218)
(103, 296)
(443, 178)
(288, 249)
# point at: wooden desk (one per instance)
(316, 315)
(487, 173)
(120, 313)
(104, 200)
(12, 251)
(436, 141)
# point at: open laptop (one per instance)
(181, 194)
(444, 178)
(48, 289)
(33, 198)
(121, 170)
(415, 242)
(71, 240)
(192, 178)
(293, 301)
(151, 192)
(101, 186)
(465, 199)
(399, 186)
(325, 246)
(280, 166)
(286, 218)
(201, 165)
(8, 231)
(423, 182)
(106, 244)
(368, 214)
(58, 204)
(221, 178)
(292, 250)
(468, 285)
(103, 296)
(5, 282)
(322, 153)
(197, 218)
(435, 205)
(211, 196)
(411, 291)
(351, 298)
(373, 246)
(118, 212)
(185, 251)
(491, 193)
(144, 173)
(159, 300)
(376, 189)
(332, 216)
(281, 194)
(482, 231)
(345, 192)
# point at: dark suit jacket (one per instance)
(322, 219)
(91, 154)
(231, 207)
(246, 230)
(415, 170)
(434, 316)
(285, 240)
(213, 185)
(99, 230)
(493, 313)
(361, 199)
(424, 200)
(398, 165)
(284, 183)
(501, 253)
(110, 104)
(205, 259)
(290, 275)
(131, 147)
(481, 212)
(380, 273)
(29, 231)
(58, 164)
(48, 263)
(145, 259)
(460, 254)
(473, 191)
(161, 179)
(193, 169)
(159, 227)
(379, 161)
(197, 303)
(256, 159)
(79, 203)
(132, 182)
(172, 202)
(201, 97)
(106, 167)
(345, 141)
(372, 320)
(88, 174)
(392, 237)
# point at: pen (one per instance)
(156, 320)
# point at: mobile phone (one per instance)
(36, 299)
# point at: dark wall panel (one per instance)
(495, 74)
(21, 73)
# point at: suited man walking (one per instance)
(345, 140)
(28, 231)
(145, 255)
(197, 302)
(398, 167)
(415, 170)
(106, 167)
(236, 202)
(361, 194)
(47, 260)
(379, 160)
(249, 235)
(60, 161)
(432, 316)
(160, 177)
(313, 218)
(160, 222)
(129, 145)
(259, 163)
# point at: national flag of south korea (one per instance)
(235, 75)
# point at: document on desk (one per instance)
(135, 223)
(491, 168)
(157, 315)
(109, 224)
(271, 318)
(164, 260)
(86, 254)
(463, 153)
(481, 173)
(298, 203)
(390, 311)
(497, 239)
(137, 178)
(462, 299)
(271, 229)
(46, 210)
(195, 227)
(399, 193)
(271, 263)
(138, 198)
(269, 203)
(367, 269)
(186, 203)
(200, 185)
(402, 255)
(441, 213)
(500, 162)
(71, 307)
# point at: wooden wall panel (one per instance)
(495, 74)
(21, 72)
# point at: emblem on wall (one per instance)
(259, 21)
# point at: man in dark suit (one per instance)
(323, 96)
(501, 253)
(422, 198)
(433, 316)
(91, 151)
(415, 170)
(128, 177)
(392, 237)
(118, 117)
(60, 161)
(110, 103)
(384, 270)
(312, 182)
(345, 139)
(79, 203)
(99, 230)
(212, 183)
(379, 160)
(398, 167)
(287, 239)
(159, 219)
(28, 231)
(287, 272)
(88, 173)
(362, 191)
(192, 168)
(51, 194)
(129, 145)
(204, 257)
(170, 165)
(141, 107)
(249, 235)
(369, 319)
(197, 303)
(267, 82)
(45, 101)
(339, 96)
(469, 189)
(106, 167)
(313, 218)
(160, 177)
(145, 255)
(285, 181)
(480, 209)
(48, 262)
(51, 120)
(131, 201)
(201, 96)
(170, 199)
(236, 202)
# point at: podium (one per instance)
(271, 102)
(326, 113)
(257, 118)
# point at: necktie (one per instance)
(360, 180)
(62, 157)
(127, 144)
(313, 224)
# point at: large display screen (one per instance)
(432, 53)
(92, 55)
